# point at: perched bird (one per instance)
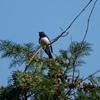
(44, 41)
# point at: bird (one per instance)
(44, 41)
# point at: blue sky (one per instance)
(21, 20)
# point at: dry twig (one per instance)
(31, 59)
(90, 75)
(74, 60)
(89, 21)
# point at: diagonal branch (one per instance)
(90, 75)
(71, 23)
(59, 35)
(89, 21)
(32, 59)
(84, 36)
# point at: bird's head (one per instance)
(41, 34)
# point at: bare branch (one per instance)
(74, 60)
(59, 35)
(65, 34)
(61, 28)
(91, 75)
(71, 23)
(32, 59)
(89, 21)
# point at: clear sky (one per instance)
(21, 20)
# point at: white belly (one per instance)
(44, 41)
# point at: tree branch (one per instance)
(71, 23)
(74, 60)
(65, 34)
(32, 59)
(54, 40)
(90, 75)
(89, 21)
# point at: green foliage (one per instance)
(20, 84)
(47, 79)
(19, 54)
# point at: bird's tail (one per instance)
(50, 56)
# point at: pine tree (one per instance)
(48, 79)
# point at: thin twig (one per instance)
(85, 37)
(90, 75)
(62, 31)
(61, 28)
(18, 54)
(74, 60)
(32, 59)
(89, 21)
(65, 34)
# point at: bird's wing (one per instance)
(50, 45)
(51, 48)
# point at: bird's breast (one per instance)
(44, 41)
